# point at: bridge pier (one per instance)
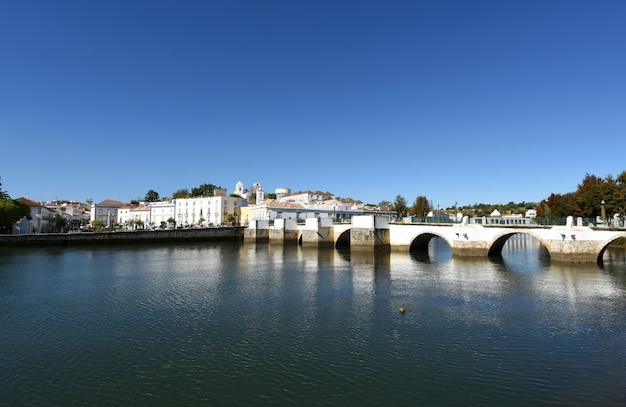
(284, 231)
(577, 244)
(370, 233)
(257, 231)
(469, 240)
(318, 232)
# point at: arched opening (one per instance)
(429, 246)
(613, 253)
(343, 241)
(519, 249)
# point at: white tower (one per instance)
(239, 188)
(260, 194)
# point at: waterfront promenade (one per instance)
(125, 237)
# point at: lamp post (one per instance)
(602, 212)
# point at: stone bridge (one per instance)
(570, 243)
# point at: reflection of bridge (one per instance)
(569, 243)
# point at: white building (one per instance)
(337, 210)
(273, 209)
(76, 213)
(207, 211)
(134, 216)
(161, 212)
(39, 214)
(256, 191)
(106, 211)
(307, 197)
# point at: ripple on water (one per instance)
(191, 326)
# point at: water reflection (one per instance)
(225, 324)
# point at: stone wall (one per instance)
(85, 238)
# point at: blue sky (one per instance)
(466, 101)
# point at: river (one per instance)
(226, 324)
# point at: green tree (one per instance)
(3, 194)
(230, 218)
(11, 211)
(556, 206)
(204, 190)
(400, 206)
(620, 193)
(181, 193)
(420, 206)
(151, 196)
(97, 224)
(59, 223)
(588, 197)
(171, 222)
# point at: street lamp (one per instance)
(603, 213)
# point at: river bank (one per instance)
(124, 237)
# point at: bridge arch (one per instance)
(605, 245)
(497, 244)
(419, 243)
(343, 240)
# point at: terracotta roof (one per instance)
(29, 202)
(111, 202)
(309, 192)
(273, 203)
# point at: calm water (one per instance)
(233, 324)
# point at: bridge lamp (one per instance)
(603, 211)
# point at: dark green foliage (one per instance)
(151, 196)
(11, 211)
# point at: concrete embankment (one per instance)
(133, 237)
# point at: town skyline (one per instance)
(231, 191)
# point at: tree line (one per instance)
(592, 195)
(11, 211)
(206, 189)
